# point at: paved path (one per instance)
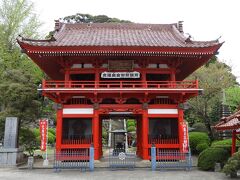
(105, 174)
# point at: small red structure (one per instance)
(127, 69)
(230, 123)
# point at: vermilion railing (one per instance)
(121, 84)
(162, 140)
(77, 140)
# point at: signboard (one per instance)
(120, 75)
(185, 137)
(126, 65)
(43, 126)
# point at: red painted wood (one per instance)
(145, 135)
(96, 134)
(180, 129)
(233, 142)
(59, 130)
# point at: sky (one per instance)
(203, 19)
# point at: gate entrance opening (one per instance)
(119, 133)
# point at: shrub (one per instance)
(196, 138)
(224, 143)
(51, 138)
(28, 140)
(210, 156)
(130, 123)
(36, 132)
(131, 128)
(201, 147)
(233, 165)
(52, 130)
(199, 127)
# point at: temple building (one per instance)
(137, 71)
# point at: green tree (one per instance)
(213, 78)
(233, 97)
(19, 77)
(87, 18)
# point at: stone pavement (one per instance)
(105, 174)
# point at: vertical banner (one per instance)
(185, 137)
(43, 126)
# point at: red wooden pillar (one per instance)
(180, 129)
(67, 78)
(173, 78)
(145, 135)
(96, 134)
(233, 142)
(59, 130)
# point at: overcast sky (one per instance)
(203, 19)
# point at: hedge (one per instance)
(210, 156)
(224, 143)
(201, 147)
(196, 138)
(233, 165)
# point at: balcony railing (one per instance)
(121, 84)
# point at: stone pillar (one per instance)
(10, 155)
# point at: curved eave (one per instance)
(118, 50)
(223, 128)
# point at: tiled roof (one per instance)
(229, 123)
(120, 34)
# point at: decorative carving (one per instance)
(120, 100)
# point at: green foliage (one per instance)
(51, 135)
(210, 156)
(213, 78)
(51, 138)
(19, 76)
(226, 143)
(233, 97)
(233, 165)
(52, 131)
(196, 138)
(131, 128)
(130, 123)
(28, 141)
(199, 127)
(201, 147)
(104, 133)
(87, 18)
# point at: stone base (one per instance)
(11, 156)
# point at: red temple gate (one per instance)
(101, 69)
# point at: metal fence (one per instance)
(119, 158)
(81, 159)
(170, 159)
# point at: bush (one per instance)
(130, 122)
(199, 127)
(52, 130)
(233, 165)
(196, 138)
(210, 156)
(131, 128)
(28, 140)
(51, 138)
(201, 147)
(224, 143)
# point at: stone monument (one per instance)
(10, 154)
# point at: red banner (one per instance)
(43, 126)
(185, 137)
